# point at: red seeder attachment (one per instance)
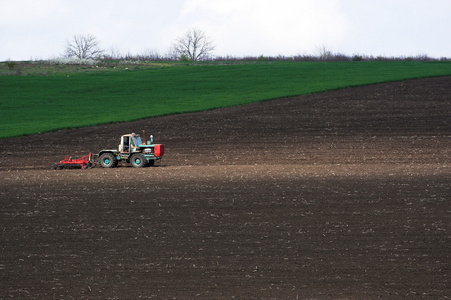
(83, 162)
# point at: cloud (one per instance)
(25, 27)
(268, 27)
(39, 28)
(402, 27)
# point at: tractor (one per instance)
(134, 151)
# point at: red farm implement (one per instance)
(84, 162)
(132, 150)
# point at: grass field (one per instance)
(77, 98)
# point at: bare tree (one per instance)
(83, 46)
(324, 53)
(194, 45)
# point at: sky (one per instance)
(39, 29)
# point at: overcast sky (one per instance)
(38, 29)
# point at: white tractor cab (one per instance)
(129, 142)
(134, 151)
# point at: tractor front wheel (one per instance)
(107, 160)
(138, 161)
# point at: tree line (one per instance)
(195, 46)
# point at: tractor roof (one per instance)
(131, 134)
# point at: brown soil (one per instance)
(344, 194)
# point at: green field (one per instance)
(67, 99)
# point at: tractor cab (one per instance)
(129, 143)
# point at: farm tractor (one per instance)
(131, 150)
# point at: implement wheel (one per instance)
(107, 160)
(138, 160)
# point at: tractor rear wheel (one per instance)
(138, 160)
(107, 160)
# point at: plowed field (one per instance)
(344, 194)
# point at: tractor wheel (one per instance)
(151, 163)
(138, 160)
(107, 160)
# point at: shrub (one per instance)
(11, 65)
(184, 58)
